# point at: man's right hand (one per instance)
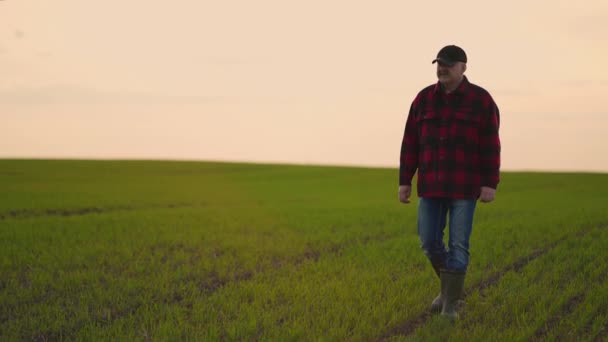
(404, 193)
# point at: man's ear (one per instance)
(464, 67)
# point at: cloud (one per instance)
(64, 94)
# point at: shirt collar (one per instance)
(461, 89)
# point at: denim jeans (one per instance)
(432, 215)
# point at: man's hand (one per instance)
(404, 193)
(487, 194)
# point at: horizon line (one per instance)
(272, 162)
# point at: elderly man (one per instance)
(451, 139)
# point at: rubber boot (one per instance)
(438, 265)
(452, 285)
(437, 304)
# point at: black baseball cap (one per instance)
(450, 55)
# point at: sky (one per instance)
(307, 82)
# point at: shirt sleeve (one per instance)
(409, 150)
(490, 146)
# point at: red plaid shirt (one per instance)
(452, 140)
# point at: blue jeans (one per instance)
(432, 215)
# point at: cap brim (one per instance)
(444, 61)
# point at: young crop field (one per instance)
(200, 251)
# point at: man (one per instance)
(451, 139)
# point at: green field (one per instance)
(145, 250)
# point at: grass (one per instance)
(147, 250)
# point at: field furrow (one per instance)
(575, 319)
(31, 213)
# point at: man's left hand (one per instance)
(487, 194)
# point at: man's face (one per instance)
(450, 74)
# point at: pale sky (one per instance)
(321, 82)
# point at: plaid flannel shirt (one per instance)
(452, 141)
